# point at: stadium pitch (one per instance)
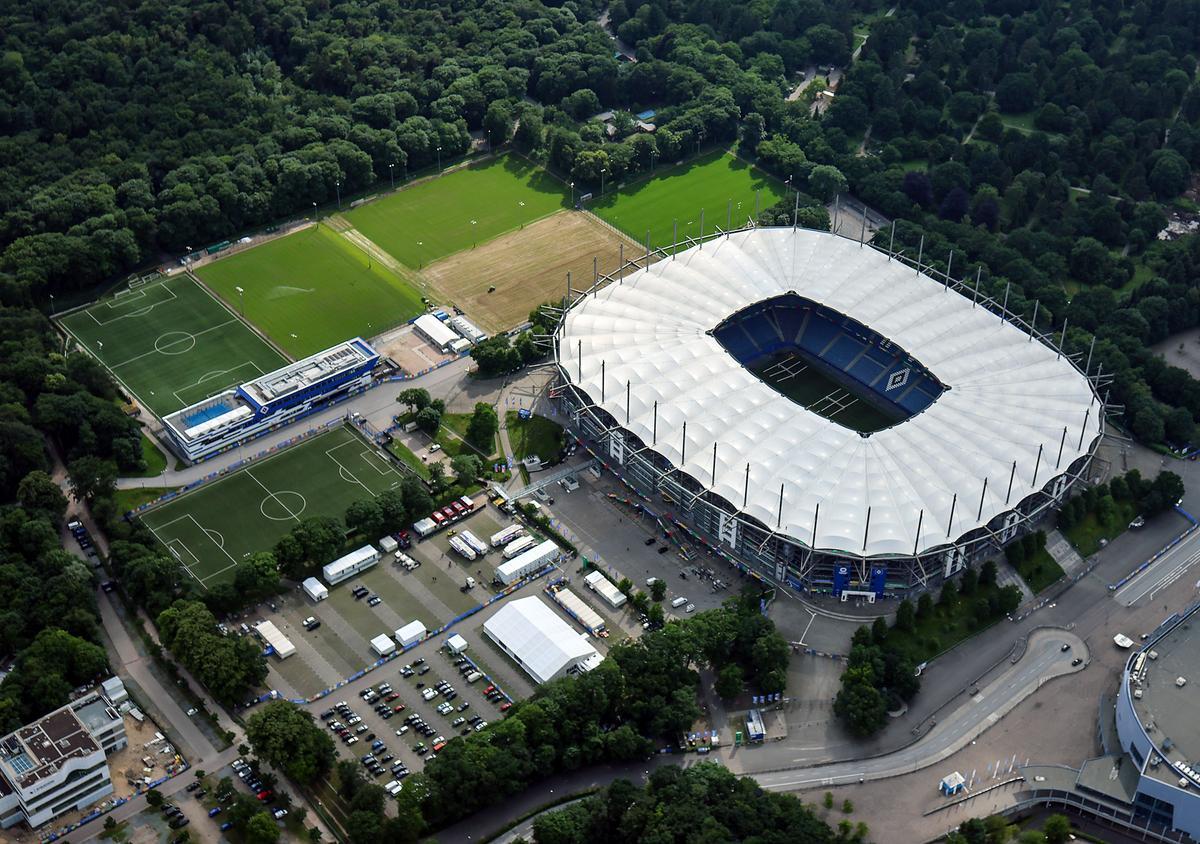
(171, 343)
(444, 215)
(803, 383)
(312, 289)
(211, 529)
(721, 184)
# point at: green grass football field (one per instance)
(171, 343)
(312, 289)
(710, 182)
(445, 215)
(806, 385)
(213, 528)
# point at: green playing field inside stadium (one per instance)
(313, 289)
(463, 208)
(171, 343)
(723, 186)
(211, 529)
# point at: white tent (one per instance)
(538, 639)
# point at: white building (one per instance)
(528, 562)
(351, 564)
(57, 764)
(435, 331)
(456, 644)
(383, 645)
(467, 329)
(412, 632)
(271, 634)
(314, 589)
(604, 587)
(541, 642)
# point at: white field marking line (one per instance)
(217, 573)
(157, 352)
(205, 533)
(377, 463)
(136, 312)
(1137, 580)
(347, 475)
(167, 545)
(278, 501)
(216, 373)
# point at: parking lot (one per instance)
(340, 646)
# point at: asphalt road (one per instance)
(1175, 565)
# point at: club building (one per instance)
(58, 763)
(223, 421)
(822, 412)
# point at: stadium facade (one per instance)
(682, 376)
(223, 421)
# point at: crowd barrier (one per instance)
(1193, 525)
(54, 835)
(382, 661)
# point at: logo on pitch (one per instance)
(898, 379)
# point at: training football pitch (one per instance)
(312, 289)
(467, 207)
(213, 528)
(171, 343)
(718, 183)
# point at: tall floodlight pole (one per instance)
(337, 185)
(439, 159)
(241, 299)
(392, 175)
(601, 182)
(572, 194)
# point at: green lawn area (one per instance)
(810, 388)
(128, 499)
(944, 627)
(405, 455)
(535, 435)
(1141, 274)
(156, 461)
(1022, 122)
(1086, 535)
(1040, 572)
(708, 183)
(441, 216)
(211, 529)
(454, 446)
(171, 343)
(313, 289)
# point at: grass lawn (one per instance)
(171, 343)
(211, 529)
(535, 435)
(127, 499)
(1086, 535)
(707, 183)
(313, 289)
(438, 217)
(156, 461)
(1021, 122)
(811, 388)
(454, 446)
(1040, 572)
(944, 627)
(405, 455)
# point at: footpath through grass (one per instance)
(447, 214)
(710, 182)
(535, 435)
(312, 289)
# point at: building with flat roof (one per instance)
(542, 643)
(351, 564)
(57, 764)
(271, 635)
(436, 332)
(223, 421)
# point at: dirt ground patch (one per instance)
(1182, 350)
(527, 267)
(410, 352)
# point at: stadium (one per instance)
(822, 412)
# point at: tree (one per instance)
(429, 420)
(925, 605)
(1057, 829)
(481, 431)
(414, 398)
(365, 517)
(287, 737)
(825, 182)
(257, 576)
(92, 478)
(38, 493)
(467, 468)
(658, 590)
(906, 617)
(1016, 93)
(155, 798)
(879, 630)
(729, 682)
(261, 829)
(498, 123)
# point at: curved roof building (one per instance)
(827, 395)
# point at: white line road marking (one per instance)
(1152, 571)
(807, 626)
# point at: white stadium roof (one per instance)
(1007, 396)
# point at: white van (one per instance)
(474, 676)
(679, 602)
(650, 581)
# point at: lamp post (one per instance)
(241, 299)
(473, 234)
(314, 212)
(337, 185)
(439, 152)
(601, 182)
(572, 194)
(392, 175)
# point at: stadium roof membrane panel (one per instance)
(1009, 396)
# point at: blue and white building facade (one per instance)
(1158, 724)
(231, 417)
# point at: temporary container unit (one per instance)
(468, 502)
(314, 589)
(424, 527)
(581, 612)
(270, 634)
(435, 331)
(387, 544)
(518, 546)
(383, 645)
(456, 644)
(462, 547)
(474, 541)
(527, 563)
(503, 537)
(467, 329)
(604, 587)
(459, 346)
(410, 633)
(350, 565)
